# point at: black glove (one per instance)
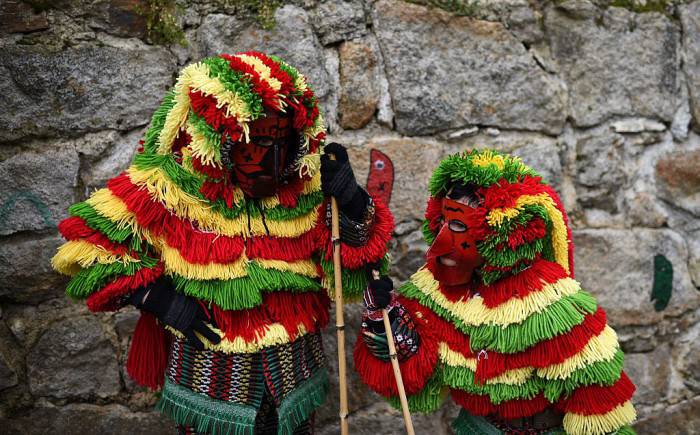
(176, 310)
(378, 293)
(338, 180)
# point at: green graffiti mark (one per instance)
(663, 282)
(26, 195)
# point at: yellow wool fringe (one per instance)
(262, 70)
(474, 312)
(310, 186)
(201, 148)
(456, 359)
(109, 206)
(196, 76)
(77, 254)
(176, 116)
(488, 157)
(273, 335)
(559, 237)
(600, 348)
(174, 263)
(577, 424)
(193, 209)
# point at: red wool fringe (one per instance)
(444, 330)
(416, 370)
(214, 190)
(599, 399)
(109, 297)
(545, 353)
(287, 86)
(288, 308)
(210, 171)
(504, 194)
(75, 228)
(148, 354)
(535, 229)
(206, 107)
(518, 408)
(531, 280)
(269, 96)
(375, 248)
(198, 247)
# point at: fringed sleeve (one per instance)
(105, 255)
(422, 383)
(354, 258)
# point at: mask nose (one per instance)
(443, 244)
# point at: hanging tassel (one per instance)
(148, 354)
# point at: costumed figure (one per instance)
(219, 233)
(495, 318)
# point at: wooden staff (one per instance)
(339, 322)
(397, 370)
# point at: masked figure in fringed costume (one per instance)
(219, 231)
(495, 318)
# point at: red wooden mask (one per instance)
(453, 256)
(258, 165)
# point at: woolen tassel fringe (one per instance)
(148, 354)
(552, 351)
(481, 405)
(205, 414)
(599, 399)
(302, 402)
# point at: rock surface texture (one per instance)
(604, 101)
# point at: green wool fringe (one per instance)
(556, 319)
(462, 378)
(427, 400)
(301, 402)
(235, 82)
(459, 168)
(625, 430)
(93, 278)
(354, 280)
(466, 424)
(213, 138)
(110, 229)
(598, 373)
(151, 142)
(245, 292)
(205, 414)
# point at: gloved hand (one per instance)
(338, 180)
(176, 310)
(378, 293)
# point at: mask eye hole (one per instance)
(263, 141)
(457, 226)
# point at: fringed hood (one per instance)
(520, 217)
(212, 105)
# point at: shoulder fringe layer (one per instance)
(474, 312)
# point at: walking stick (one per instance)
(339, 322)
(397, 370)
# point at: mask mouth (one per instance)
(446, 261)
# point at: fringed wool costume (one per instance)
(259, 268)
(522, 344)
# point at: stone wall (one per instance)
(604, 101)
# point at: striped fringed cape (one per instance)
(262, 267)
